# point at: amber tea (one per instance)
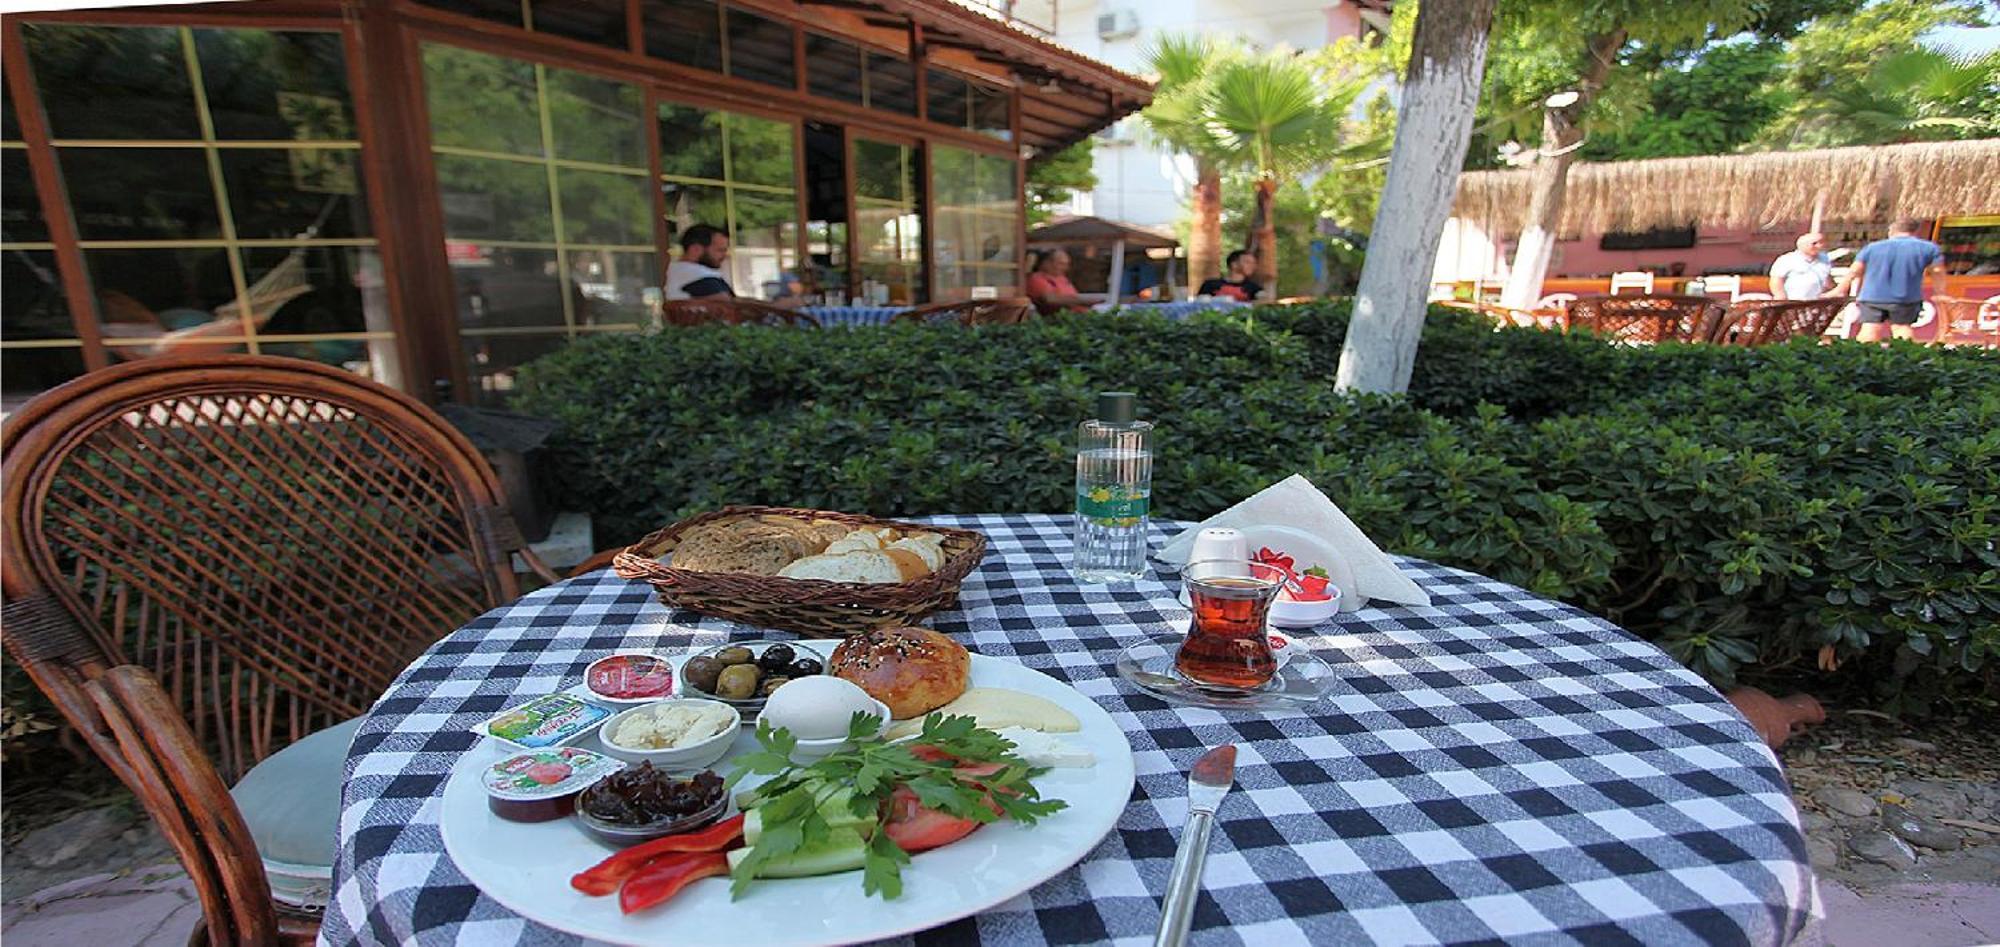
(1228, 645)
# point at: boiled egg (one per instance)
(817, 707)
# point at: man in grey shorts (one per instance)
(1891, 273)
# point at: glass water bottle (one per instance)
(1114, 490)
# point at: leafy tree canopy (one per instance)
(1051, 180)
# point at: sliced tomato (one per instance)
(915, 827)
(929, 753)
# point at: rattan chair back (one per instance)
(1763, 323)
(1960, 321)
(274, 539)
(1658, 318)
(976, 312)
(730, 311)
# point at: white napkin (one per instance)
(1295, 502)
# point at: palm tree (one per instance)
(1178, 119)
(1275, 114)
(1916, 95)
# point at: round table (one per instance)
(1493, 767)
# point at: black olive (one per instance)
(776, 658)
(806, 667)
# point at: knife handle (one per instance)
(1184, 881)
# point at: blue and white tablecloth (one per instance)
(853, 315)
(1184, 308)
(1493, 768)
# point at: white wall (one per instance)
(1135, 183)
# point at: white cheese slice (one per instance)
(1041, 749)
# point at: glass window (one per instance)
(481, 102)
(688, 32)
(892, 84)
(737, 172)
(977, 223)
(21, 218)
(286, 193)
(760, 49)
(833, 69)
(592, 21)
(946, 98)
(10, 128)
(548, 220)
(269, 86)
(141, 193)
(991, 113)
(888, 231)
(38, 347)
(112, 82)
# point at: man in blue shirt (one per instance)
(1891, 273)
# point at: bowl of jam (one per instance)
(641, 803)
(541, 785)
(629, 678)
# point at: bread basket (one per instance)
(809, 607)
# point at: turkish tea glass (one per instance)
(1228, 645)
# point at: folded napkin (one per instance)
(1296, 503)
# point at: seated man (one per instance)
(698, 274)
(1237, 284)
(1050, 288)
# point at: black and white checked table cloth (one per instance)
(1495, 768)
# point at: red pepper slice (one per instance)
(664, 877)
(604, 877)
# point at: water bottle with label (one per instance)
(1114, 490)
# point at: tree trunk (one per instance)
(1204, 250)
(1264, 233)
(1433, 127)
(1562, 131)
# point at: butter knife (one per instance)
(1207, 784)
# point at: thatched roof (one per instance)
(1927, 179)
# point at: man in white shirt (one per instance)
(698, 273)
(1804, 273)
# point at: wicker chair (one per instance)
(1963, 321)
(976, 312)
(731, 311)
(1765, 322)
(1647, 319)
(271, 539)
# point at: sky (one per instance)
(1972, 40)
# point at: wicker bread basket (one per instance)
(807, 606)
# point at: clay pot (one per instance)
(1776, 719)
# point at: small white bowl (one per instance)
(1287, 614)
(697, 756)
(818, 749)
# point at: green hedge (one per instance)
(1745, 508)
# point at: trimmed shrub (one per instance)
(1759, 512)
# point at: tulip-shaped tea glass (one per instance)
(1228, 645)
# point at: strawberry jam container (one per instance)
(629, 678)
(542, 785)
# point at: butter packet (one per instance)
(547, 721)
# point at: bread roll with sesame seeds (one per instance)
(912, 670)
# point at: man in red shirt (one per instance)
(1050, 288)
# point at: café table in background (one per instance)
(1495, 767)
(853, 315)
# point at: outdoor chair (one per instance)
(1963, 321)
(1634, 279)
(273, 540)
(1765, 322)
(976, 312)
(735, 312)
(1731, 286)
(1647, 319)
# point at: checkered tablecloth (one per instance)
(853, 315)
(1492, 768)
(1184, 308)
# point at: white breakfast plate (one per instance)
(527, 866)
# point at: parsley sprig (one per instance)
(793, 804)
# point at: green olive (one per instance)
(737, 682)
(733, 655)
(701, 673)
(771, 684)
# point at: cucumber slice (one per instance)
(844, 850)
(835, 811)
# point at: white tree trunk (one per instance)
(1562, 134)
(1433, 126)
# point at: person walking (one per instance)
(1803, 273)
(1891, 276)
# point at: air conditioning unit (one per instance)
(1118, 24)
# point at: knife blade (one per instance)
(1208, 782)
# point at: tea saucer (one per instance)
(1301, 681)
